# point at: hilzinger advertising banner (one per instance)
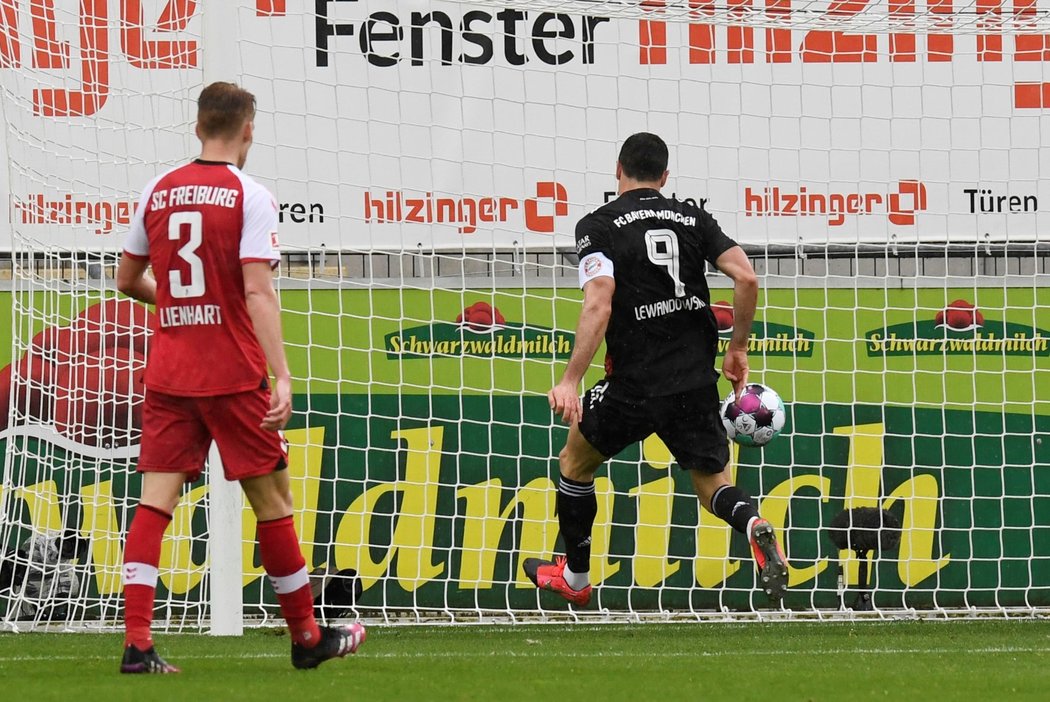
(409, 125)
(930, 404)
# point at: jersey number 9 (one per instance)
(666, 255)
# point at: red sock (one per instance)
(141, 556)
(283, 561)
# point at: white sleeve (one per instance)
(259, 234)
(136, 242)
(595, 265)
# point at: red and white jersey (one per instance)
(197, 225)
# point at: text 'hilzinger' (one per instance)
(899, 207)
(466, 212)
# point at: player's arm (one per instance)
(265, 311)
(133, 281)
(132, 278)
(564, 398)
(735, 264)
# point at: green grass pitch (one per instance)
(910, 660)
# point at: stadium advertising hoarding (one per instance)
(407, 125)
(436, 497)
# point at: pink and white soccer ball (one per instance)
(756, 417)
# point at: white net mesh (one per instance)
(882, 163)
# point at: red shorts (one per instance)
(177, 432)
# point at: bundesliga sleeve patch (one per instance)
(595, 265)
(274, 243)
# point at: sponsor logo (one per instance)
(475, 37)
(987, 201)
(103, 215)
(583, 243)
(513, 37)
(480, 330)
(959, 316)
(155, 35)
(466, 213)
(959, 329)
(899, 207)
(90, 59)
(107, 214)
(766, 338)
(708, 43)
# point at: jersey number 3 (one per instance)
(662, 247)
(193, 221)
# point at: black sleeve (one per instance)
(712, 238)
(592, 236)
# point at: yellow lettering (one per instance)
(250, 564)
(486, 522)
(653, 532)
(775, 508)
(99, 524)
(351, 539)
(178, 572)
(713, 537)
(413, 535)
(920, 495)
(481, 533)
(601, 535)
(42, 503)
(414, 532)
(305, 451)
(863, 478)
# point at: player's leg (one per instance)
(733, 505)
(696, 437)
(160, 495)
(271, 499)
(577, 505)
(609, 423)
(172, 452)
(257, 459)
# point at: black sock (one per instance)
(734, 506)
(577, 507)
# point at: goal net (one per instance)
(881, 162)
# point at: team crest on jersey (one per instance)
(591, 266)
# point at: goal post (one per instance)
(881, 163)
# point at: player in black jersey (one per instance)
(642, 269)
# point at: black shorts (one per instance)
(687, 422)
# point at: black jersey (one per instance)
(662, 336)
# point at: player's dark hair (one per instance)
(223, 109)
(643, 157)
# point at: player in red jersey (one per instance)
(209, 232)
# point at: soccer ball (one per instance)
(756, 418)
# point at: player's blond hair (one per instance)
(223, 109)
